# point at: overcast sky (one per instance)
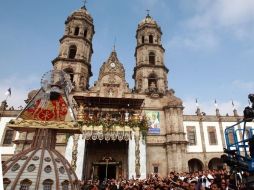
(209, 45)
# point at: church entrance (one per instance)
(107, 171)
(106, 159)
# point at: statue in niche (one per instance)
(152, 86)
(110, 92)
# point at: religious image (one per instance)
(153, 118)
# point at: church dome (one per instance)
(147, 21)
(80, 13)
(39, 167)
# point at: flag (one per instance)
(8, 92)
(233, 104)
(215, 104)
(197, 103)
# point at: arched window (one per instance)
(6, 183)
(47, 184)
(85, 33)
(25, 184)
(143, 39)
(76, 32)
(151, 39)
(65, 185)
(152, 58)
(72, 52)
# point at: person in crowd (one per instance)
(198, 180)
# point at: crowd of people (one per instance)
(200, 180)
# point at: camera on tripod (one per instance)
(249, 111)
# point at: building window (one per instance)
(85, 33)
(143, 39)
(156, 169)
(25, 184)
(191, 135)
(70, 72)
(212, 135)
(47, 184)
(6, 183)
(72, 52)
(231, 138)
(152, 58)
(8, 137)
(65, 185)
(151, 39)
(76, 32)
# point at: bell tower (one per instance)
(76, 49)
(150, 72)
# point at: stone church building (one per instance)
(172, 141)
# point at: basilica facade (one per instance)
(126, 132)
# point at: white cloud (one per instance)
(195, 42)
(244, 85)
(209, 108)
(214, 18)
(20, 86)
(151, 3)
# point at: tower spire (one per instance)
(114, 46)
(85, 2)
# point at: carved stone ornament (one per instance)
(61, 170)
(31, 167)
(57, 160)
(174, 101)
(48, 169)
(35, 158)
(23, 157)
(47, 159)
(15, 167)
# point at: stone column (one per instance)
(80, 157)
(131, 157)
(68, 149)
(137, 152)
(176, 142)
(203, 140)
(142, 145)
(221, 128)
(74, 152)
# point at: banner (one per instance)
(153, 118)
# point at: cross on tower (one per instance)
(85, 2)
(148, 12)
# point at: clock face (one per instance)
(112, 65)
